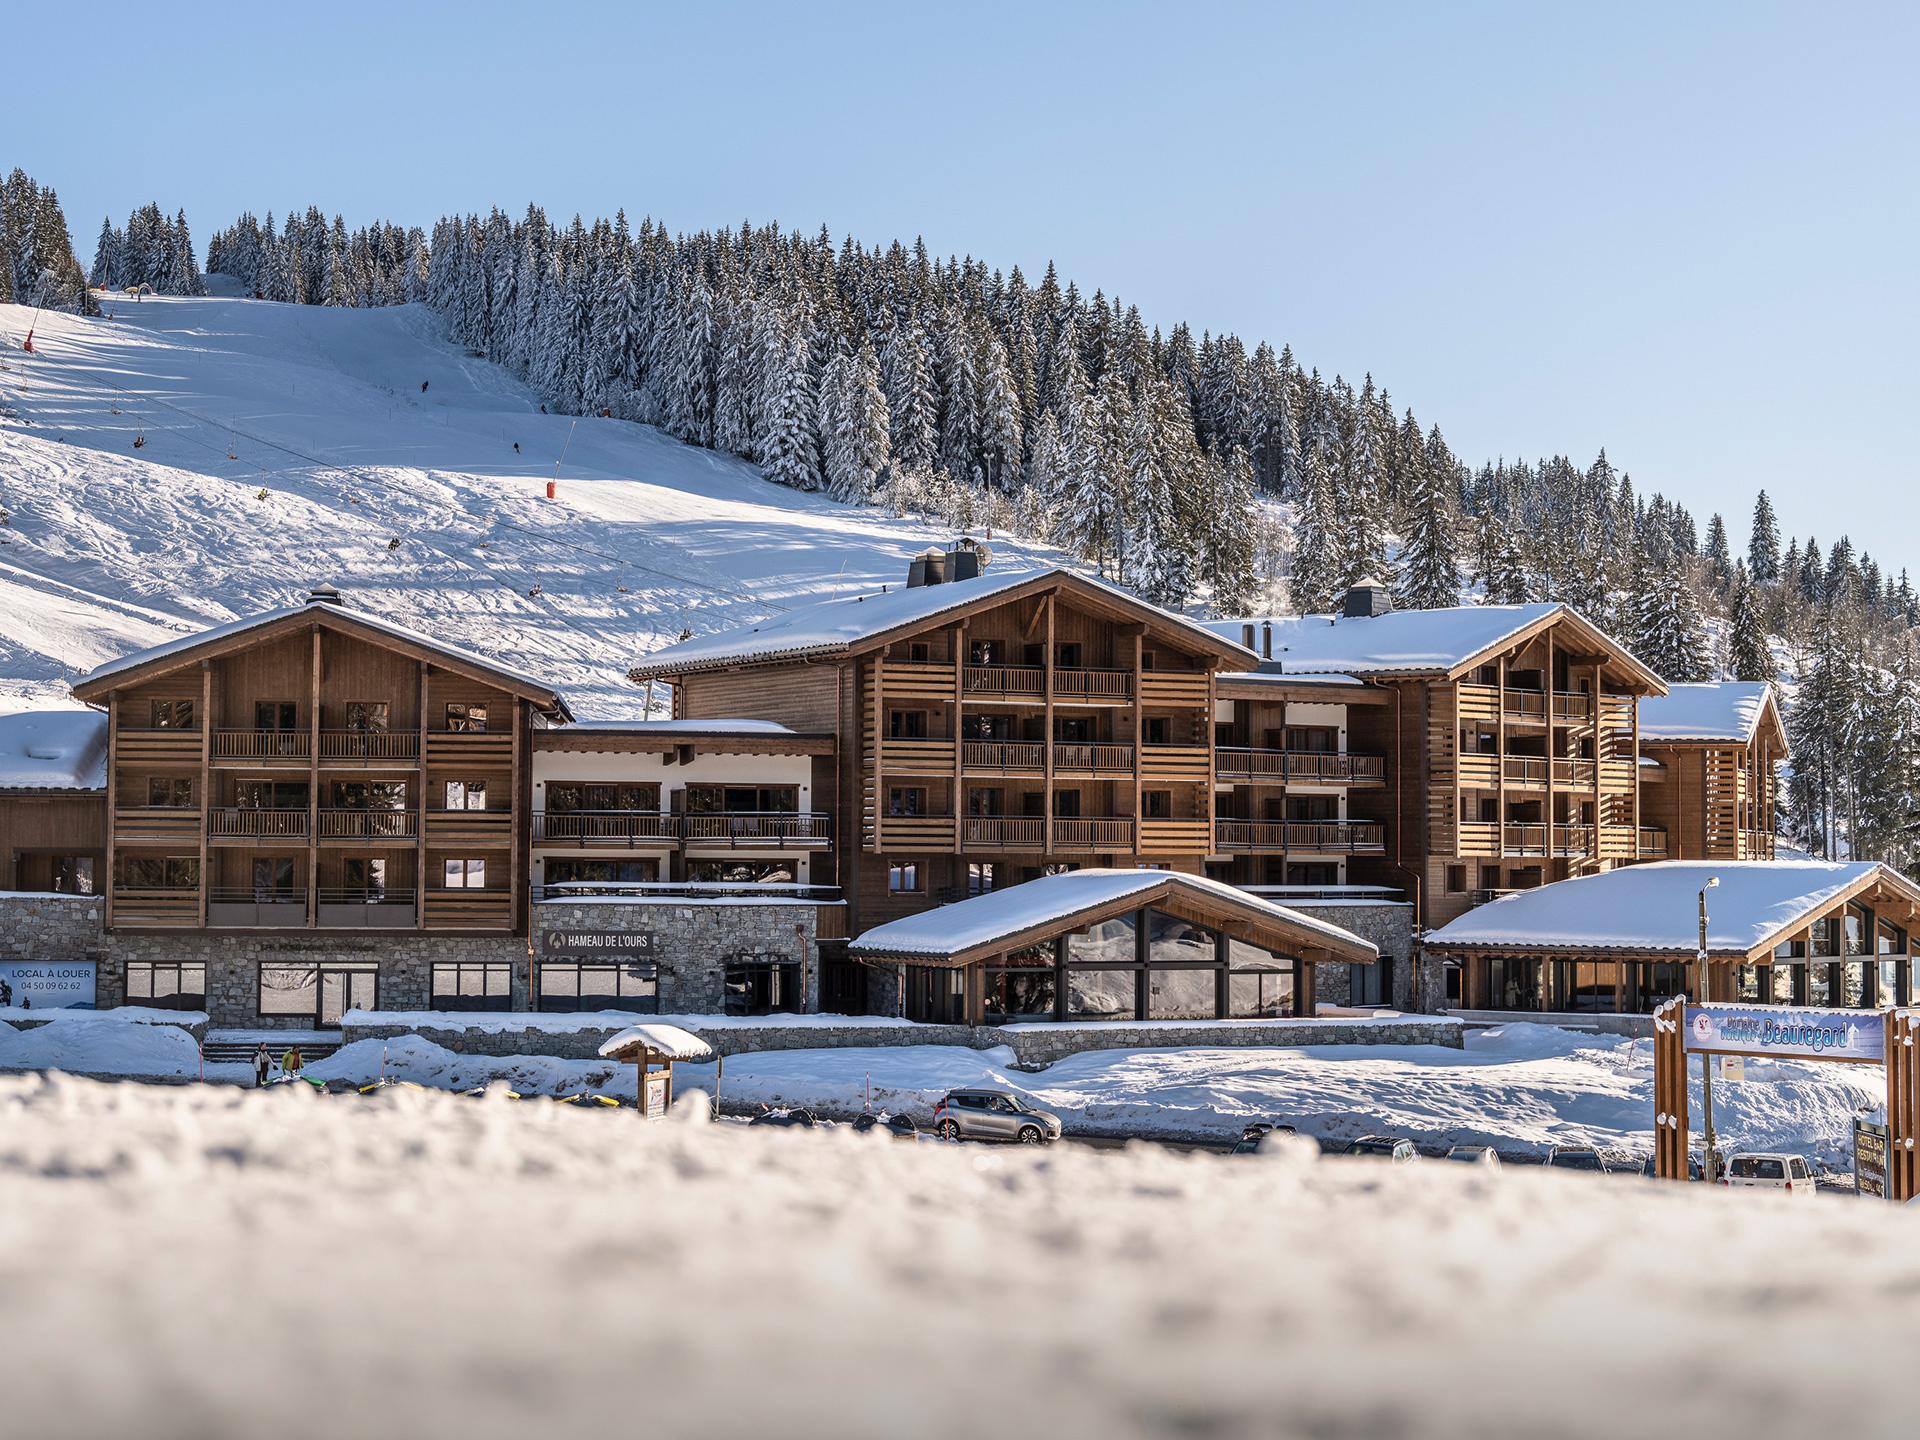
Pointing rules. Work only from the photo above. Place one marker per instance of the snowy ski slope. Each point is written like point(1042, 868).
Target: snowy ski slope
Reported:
point(109, 547)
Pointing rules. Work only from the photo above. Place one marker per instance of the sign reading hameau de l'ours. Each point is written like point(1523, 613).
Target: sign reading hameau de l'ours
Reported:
point(1858, 1035)
point(620, 942)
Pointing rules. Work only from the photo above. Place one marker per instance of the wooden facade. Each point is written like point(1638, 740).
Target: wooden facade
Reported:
point(1713, 798)
point(316, 771)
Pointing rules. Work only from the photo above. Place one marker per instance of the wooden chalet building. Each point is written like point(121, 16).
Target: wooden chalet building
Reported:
point(316, 768)
point(988, 728)
point(1708, 776)
point(1476, 750)
point(53, 780)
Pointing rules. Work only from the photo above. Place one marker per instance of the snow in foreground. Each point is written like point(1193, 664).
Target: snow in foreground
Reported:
point(423, 1264)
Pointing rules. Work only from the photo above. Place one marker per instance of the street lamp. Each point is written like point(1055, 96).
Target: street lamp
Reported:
point(1706, 1061)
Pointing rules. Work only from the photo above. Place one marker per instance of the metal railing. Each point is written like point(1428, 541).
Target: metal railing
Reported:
point(369, 824)
point(262, 744)
point(1325, 767)
point(756, 827)
point(605, 827)
point(1092, 684)
point(1306, 836)
point(370, 745)
point(258, 823)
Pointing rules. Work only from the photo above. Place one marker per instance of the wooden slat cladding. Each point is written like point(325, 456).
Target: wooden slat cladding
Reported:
point(801, 697)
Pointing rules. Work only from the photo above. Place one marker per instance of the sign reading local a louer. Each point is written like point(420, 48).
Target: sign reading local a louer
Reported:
point(1790, 1034)
point(47, 984)
point(643, 944)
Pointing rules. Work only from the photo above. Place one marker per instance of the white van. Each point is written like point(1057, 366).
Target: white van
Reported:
point(1755, 1170)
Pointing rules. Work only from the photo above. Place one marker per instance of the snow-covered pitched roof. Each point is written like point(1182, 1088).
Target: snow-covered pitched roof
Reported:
point(1401, 642)
point(1656, 907)
point(668, 1040)
point(337, 610)
point(1729, 710)
point(53, 750)
point(721, 726)
point(834, 627)
point(984, 919)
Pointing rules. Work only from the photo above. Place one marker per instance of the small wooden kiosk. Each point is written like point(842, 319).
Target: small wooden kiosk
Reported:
point(647, 1046)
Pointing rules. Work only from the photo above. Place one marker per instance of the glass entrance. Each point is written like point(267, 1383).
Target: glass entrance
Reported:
point(344, 988)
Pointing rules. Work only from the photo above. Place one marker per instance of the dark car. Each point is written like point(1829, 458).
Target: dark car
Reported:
point(1252, 1135)
point(1695, 1170)
point(901, 1127)
point(799, 1116)
point(1397, 1148)
point(1577, 1157)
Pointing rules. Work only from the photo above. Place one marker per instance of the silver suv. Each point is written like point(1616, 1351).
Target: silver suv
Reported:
point(993, 1115)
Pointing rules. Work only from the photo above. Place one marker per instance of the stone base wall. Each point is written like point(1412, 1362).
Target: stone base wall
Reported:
point(1389, 925)
point(50, 927)
point(1044, 1044)
point(695, 942)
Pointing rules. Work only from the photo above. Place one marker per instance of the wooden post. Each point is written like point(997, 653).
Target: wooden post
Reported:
point(1546, 871)
point(516, 873)
point(1211, 805)
point(1500, 749)
point(420, 848)
point(959, 745)
point(1046, 838)
point(205, 781)
point(313, 791)
point(1903, 1106)
point(1140, 739)
point(1670, 1138)
point(113, 795)
point(1599, 800)
point(879, 753)
point(1634, 760)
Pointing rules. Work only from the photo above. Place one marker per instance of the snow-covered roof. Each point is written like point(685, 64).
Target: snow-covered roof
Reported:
point(668, 1040)
point(1729, 710)
point(335, 609)
point(983, 919)
point(1401, 642)
point(721, 726)
point(1266, 677)
point(1656, 907)
point(833, 627)
point(53, 750)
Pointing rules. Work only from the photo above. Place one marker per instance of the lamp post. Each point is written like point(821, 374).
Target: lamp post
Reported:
point(1706, 1061)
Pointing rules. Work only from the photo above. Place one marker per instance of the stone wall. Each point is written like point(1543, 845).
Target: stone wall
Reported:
point(1041, 1045)
point(695, 940)
point(50, 927)
point(1388, 924)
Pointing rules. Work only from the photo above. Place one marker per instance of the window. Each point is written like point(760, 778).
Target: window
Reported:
point(167, 984)
point(273, 881)
point(762, 985)
point(739, 872)
point(472, 985)
point(985, 652)
point(1158, 803)
point(904, 879)
point(289, 989)
point(566, 986)
point(369, 795)
point(173, 714)
point(1157, 730)
point(275, 715)
point(602, 872)
point(465, 874)
point(1024, 987)
point(465, 719)
point(1147, 657)
point(1456, 879)
point(170, 792)
point(570, 796)
point(906, 800)
point(979, 878)
point(1073, 729)
point(907, 724)
point(1066, 656)
point(161, 872)
point(366, 877)
point(368, 716)
point(466, 794)
point(1313, 739)
point(270, 794)
point(919, 652)
point(742, 799)
point(72, 874)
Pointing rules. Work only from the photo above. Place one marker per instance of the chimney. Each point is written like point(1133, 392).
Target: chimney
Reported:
point(1266, 639)
point(929, 567)
point(325, 594)
point(1366, 598)
point(1246, 634)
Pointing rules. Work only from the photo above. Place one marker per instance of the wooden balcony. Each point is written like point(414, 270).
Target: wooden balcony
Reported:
point(478, 909)
point(1024, 833)
point(1073, 758)
point(916, 757)
point(1303, 767)
point(155, 905)
point(488, 749)
point(368, 825)
point(1024, 683)
point(1525, 707)
point(156, 822)
point(237, 823)
point(1003, 757)
point(757, 830)
point(264, 908)
point(370, 747)
point(1571, 841)
point(1301, 837)
point(639, 829)
point(262, 747)
point(470, 827)
point(1074, 834)
point(1173, 687)
point(1093, 687)
point(157, 747)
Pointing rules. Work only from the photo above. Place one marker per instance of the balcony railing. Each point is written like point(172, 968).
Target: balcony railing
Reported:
point(1531, 838)
point(377, 745)
point(1098, 685)
point(369, 824)
point(1106, 759)
point(1081, 833)
point(1003, 757)
point(1003, 832)
point(258, 823)
point(1006, 682)
point(1312, 767)
point(1322, 837)
point(365, 908)
point(605, 827)
point(735, 828)
point(262, 745)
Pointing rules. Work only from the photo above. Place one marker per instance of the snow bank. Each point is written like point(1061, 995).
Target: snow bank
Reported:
point(499, 1022)
point(101, 1042)
point(53, 750)
point(426, 1265)
point(408, 1057)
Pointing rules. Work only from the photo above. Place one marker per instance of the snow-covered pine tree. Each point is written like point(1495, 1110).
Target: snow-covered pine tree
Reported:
point(1319, 559)
point(1429, 572)
point(1763, 544)
point(1718, 557)
point(1748, 655)
point(907, 371)
point(1000, 428)
point(792, 451)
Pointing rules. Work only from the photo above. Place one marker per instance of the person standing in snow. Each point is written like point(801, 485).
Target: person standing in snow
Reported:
point(262, 1065)
point(291, 1062)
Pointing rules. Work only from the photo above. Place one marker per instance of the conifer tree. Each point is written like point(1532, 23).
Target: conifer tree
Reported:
point(1429, 573)
point(1763, 544)
point(1748, 655)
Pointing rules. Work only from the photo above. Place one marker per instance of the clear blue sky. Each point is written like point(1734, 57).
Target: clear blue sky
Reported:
point(1686, 232)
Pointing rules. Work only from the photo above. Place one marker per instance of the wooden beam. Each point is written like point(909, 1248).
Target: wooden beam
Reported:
point(313, 790)
point(879, 755)
point(1547, 868)
point(516, 873)
point(205, 782)
point(420, 849)
point(1046, 839)
point(1140, 740)
point(959, 745)
point(1599, 802)
point(113, 794)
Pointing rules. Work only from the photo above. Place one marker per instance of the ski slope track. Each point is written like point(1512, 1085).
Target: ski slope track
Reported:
point(412, 501)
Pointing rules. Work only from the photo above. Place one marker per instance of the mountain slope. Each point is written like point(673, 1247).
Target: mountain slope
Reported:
point(110, 546)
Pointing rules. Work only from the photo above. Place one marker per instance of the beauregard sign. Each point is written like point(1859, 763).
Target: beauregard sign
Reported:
point(638, 944)
point(1858, 1035)
point(47, 984)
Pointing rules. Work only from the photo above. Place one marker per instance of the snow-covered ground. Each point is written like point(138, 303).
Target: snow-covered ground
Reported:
point(106, 548)
point(1521, 1088)
point(213, 1262)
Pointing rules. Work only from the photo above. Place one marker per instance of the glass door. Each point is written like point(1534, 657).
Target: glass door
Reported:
point(344, 988)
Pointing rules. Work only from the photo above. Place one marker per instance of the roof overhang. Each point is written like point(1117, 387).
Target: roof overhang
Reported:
point(1605, 649)
point(577, 740)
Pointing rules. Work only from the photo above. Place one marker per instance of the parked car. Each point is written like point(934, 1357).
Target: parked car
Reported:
point(1475, 1155)
point(1758, 1170)
point(1252, 1135)
point(1695, 1170)
point(797, 1116)
point(1397, 1148)
point(1578, 1157)
point(901, 1127)
point(993, 1115)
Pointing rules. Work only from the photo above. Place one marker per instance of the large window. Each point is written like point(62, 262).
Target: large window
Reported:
point(289, 989)
point(160, 872)
point(463, 719)
point(742, 799)
point(1513, 984)
point(464, 874)
point(466, 794)
point(568, 796)
point(738, 872)
point(167, 984)
point(473, 985)
point(172, 714)
point(273, 880)
point(369, 716)
point(366, 877)
point(170, 792)
point(386, 795)
point(904, 878)
point(275, 715)
point(602, 872)
point(1024, 987)
point(569, 985)
point(762, 985)
point(270, 794)
point(72, 874)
